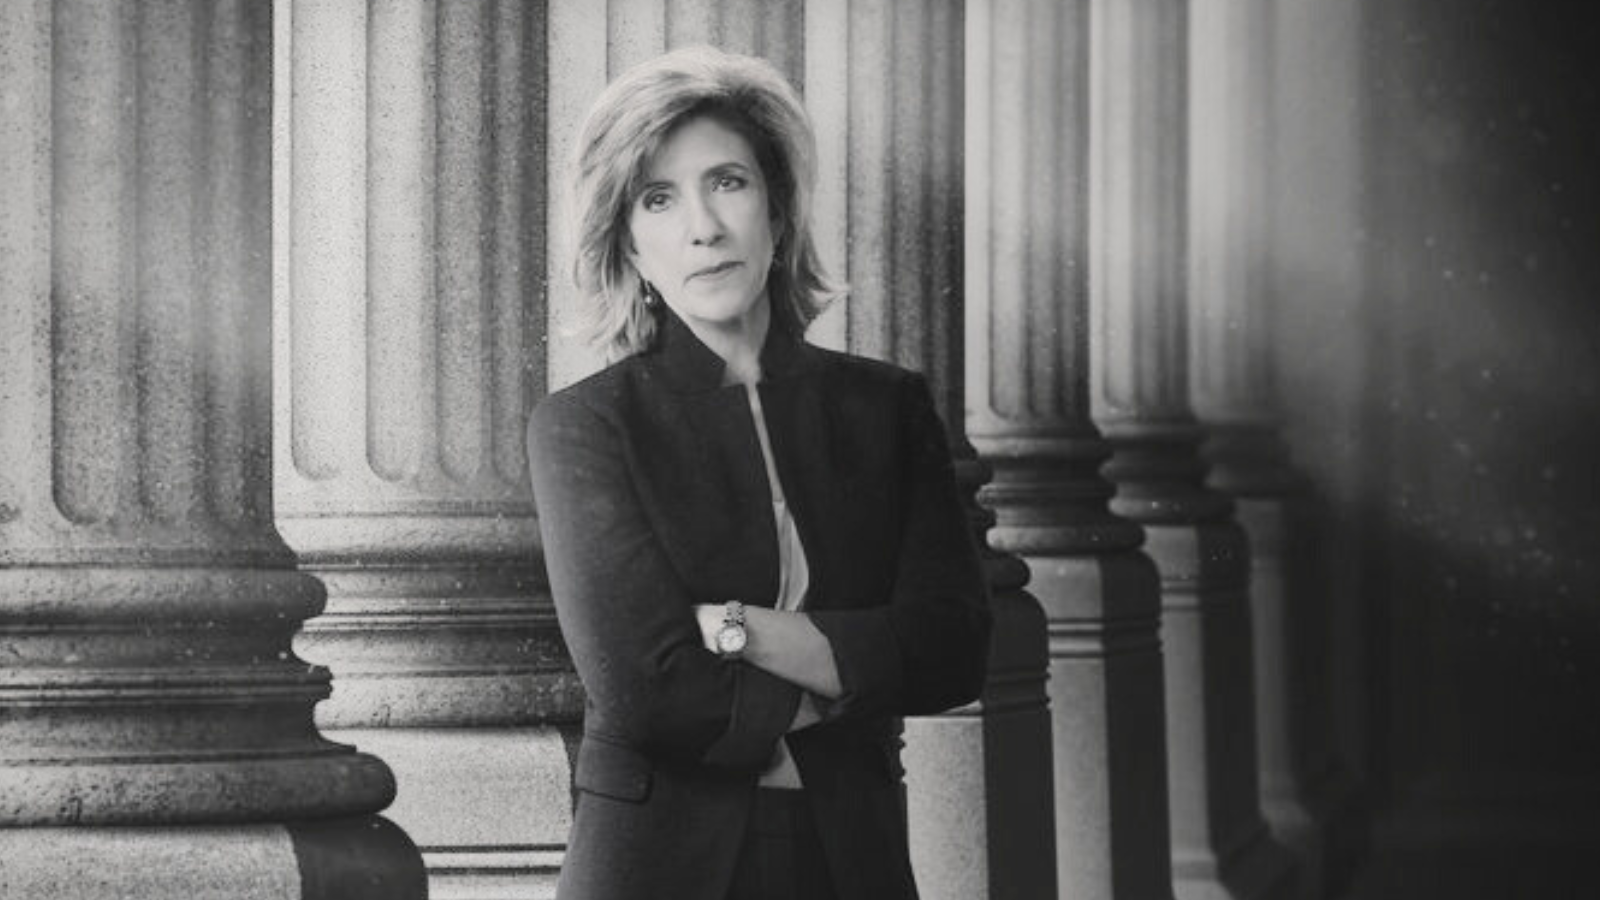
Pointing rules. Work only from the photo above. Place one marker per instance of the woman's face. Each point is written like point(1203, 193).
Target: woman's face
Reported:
point(700, 229)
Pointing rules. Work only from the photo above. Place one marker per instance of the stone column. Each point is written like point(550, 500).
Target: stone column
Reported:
point(410, 312)
point(1318, 290)
point(978, 778)
point(1234, 393)
point(1028, 414)
point(1220, 845)
point(156, 733)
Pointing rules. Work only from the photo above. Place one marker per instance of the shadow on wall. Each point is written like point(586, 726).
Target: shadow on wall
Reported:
point(1454, 459)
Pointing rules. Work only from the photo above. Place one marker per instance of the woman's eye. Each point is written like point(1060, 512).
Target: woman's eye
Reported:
point(654, 202)
point(728, 183)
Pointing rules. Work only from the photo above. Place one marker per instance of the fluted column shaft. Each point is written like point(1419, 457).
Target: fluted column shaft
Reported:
point(1234, 393)
point(978, 778)
point(1138, 131)
point(156, 729)
point(410, 311)
point(1028, 414)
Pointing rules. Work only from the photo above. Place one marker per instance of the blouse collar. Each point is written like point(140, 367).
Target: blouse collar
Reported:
point(688, 365)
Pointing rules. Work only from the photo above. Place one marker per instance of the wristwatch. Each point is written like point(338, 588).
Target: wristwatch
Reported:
point(731, 637)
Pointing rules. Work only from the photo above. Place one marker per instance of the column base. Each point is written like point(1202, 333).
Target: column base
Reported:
point(489, 807)
point(979, 792)
point(1341, 807)
point(1296, 828)
point(1107, 703)
point(1325, 829)
point(491, 874)
point(1221, 846)
point(365, 858)
point(1259, 869)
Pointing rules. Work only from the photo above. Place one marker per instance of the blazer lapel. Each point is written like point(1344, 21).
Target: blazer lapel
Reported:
point(804, 429)
point(713, 511)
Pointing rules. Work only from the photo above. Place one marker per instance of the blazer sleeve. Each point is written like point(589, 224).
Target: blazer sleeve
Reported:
point(626, 616)
point(926, 649)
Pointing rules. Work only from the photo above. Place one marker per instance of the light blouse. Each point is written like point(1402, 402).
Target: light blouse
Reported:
point(794, 577)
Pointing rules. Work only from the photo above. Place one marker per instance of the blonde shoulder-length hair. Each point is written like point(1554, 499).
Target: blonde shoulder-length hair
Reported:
point(628, 124)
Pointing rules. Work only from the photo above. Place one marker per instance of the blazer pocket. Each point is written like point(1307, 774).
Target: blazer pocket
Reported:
point(613, 770)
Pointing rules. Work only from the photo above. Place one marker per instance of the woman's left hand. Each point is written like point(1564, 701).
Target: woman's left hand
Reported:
point(785, 644)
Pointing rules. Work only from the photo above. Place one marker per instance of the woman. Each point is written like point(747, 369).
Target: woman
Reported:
point(755, 546)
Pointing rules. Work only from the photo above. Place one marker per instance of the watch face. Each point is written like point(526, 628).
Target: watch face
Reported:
point(730, 639)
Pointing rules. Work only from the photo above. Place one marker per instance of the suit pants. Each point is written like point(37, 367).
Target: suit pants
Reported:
point(781, 856)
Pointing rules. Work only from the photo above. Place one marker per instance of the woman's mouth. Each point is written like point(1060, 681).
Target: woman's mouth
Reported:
point(714, 271)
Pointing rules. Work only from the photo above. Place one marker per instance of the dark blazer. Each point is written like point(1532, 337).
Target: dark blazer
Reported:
point(653, 496)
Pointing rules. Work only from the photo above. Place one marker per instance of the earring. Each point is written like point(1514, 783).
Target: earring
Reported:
point(651, 298)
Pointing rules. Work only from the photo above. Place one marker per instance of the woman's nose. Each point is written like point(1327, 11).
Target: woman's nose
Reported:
point(705, 226)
